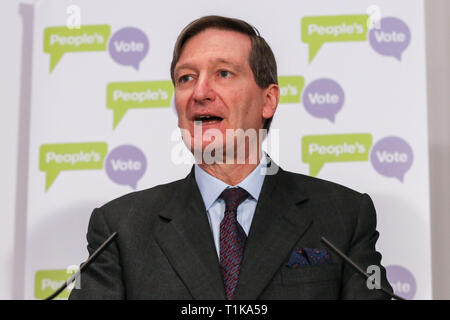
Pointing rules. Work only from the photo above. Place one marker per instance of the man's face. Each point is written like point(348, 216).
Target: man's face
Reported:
point(215, 86)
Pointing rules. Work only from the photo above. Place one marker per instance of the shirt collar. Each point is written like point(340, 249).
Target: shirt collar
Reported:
point(210, 187)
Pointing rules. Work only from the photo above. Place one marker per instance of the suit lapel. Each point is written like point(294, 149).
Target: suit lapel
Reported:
point(185, 238)
point(187, 241)
point(277, 225)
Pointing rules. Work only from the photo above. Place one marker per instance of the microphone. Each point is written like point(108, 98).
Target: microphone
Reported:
point(97, 252)
point(357, 268)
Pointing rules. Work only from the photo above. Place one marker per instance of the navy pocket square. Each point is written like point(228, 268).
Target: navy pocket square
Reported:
point(308, 257)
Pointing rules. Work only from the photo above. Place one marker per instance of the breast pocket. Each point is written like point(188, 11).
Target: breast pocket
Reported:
point(310, 274)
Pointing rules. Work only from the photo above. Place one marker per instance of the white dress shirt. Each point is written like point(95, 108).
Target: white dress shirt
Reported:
point(211, 188)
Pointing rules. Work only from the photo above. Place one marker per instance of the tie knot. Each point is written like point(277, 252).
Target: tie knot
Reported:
point(234, 197)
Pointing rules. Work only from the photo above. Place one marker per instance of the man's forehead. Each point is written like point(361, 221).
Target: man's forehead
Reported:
point(224, 46)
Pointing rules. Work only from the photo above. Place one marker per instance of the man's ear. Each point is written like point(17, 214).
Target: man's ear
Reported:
point(272, 96)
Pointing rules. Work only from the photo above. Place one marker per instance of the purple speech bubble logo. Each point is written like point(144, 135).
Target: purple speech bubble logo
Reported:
point(392, 157)
point(402, 281)
point(125, 165)
point(391, 39)
point(128, 46)
point(323, 98)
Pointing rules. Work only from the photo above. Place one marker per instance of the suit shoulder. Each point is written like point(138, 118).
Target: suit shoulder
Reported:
point(148, 200)
point(347, 205)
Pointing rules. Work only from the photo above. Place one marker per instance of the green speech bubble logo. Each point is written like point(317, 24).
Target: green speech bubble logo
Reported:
point(318, 30)
point(60, 40)
point(320, 149)
point(48, 281)
point(121, 96)
point(54, 158)
point(291, 88)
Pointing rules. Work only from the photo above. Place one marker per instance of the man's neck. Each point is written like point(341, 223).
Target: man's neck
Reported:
point(230, 173)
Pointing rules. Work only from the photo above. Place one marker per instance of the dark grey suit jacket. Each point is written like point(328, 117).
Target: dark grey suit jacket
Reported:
point(165, 248)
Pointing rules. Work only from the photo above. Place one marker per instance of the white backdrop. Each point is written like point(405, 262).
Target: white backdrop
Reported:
point(383, 97)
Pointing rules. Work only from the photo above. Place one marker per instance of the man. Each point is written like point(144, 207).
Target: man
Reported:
point(231, 229)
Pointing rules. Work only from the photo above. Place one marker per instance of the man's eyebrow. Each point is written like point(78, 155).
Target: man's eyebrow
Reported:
point(186, 65)
point(227, 62)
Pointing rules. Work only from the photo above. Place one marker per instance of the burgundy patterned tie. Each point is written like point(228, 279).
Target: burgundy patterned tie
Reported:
point(232, 239)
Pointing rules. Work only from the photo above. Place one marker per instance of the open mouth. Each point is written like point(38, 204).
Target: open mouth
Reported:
point(208, 119)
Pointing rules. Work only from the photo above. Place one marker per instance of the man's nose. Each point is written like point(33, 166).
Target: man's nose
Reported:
point(203, 90)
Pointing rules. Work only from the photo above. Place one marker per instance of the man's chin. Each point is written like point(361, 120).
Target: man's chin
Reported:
point(208, 152)
point(213, 149)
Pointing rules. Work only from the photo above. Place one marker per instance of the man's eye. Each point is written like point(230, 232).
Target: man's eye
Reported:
point(225, 73)
point(184, 78)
